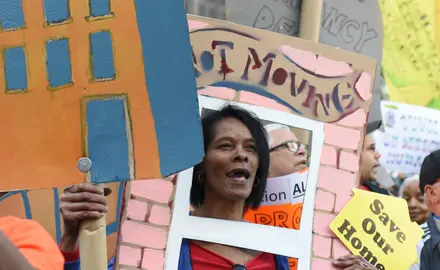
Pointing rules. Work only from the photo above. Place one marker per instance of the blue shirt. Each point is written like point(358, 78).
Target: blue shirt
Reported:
point(281, 262)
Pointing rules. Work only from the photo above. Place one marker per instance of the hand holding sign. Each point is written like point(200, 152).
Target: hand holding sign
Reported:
point(352, 262)
point(384, 235)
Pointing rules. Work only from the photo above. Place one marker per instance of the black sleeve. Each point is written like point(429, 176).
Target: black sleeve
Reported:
point(425, 259)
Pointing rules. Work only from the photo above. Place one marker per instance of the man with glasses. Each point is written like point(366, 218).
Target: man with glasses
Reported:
point(287, 154)
point(286, 185)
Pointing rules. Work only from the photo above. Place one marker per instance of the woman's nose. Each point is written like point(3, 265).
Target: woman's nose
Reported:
point(240, 155)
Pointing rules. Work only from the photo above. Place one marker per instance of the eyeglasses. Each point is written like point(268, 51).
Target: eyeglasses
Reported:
point(238, 267)
point(292, 146)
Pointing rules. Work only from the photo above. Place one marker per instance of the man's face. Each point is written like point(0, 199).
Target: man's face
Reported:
point(432, 193)
point(282, 160)
point(369, 160)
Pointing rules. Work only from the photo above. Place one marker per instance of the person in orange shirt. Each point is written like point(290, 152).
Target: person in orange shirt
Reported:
point(24, 244)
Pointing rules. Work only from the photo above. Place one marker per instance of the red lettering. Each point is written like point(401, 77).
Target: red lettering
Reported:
point(296, 219)
point(263, 219)
point(224, 67)
point(280, 219)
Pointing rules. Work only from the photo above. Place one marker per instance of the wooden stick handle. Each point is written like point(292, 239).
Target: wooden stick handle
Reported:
point(310, 23)
point(93, 244)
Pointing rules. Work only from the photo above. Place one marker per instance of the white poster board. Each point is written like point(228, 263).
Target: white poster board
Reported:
point(411, 133)
point(242, 234)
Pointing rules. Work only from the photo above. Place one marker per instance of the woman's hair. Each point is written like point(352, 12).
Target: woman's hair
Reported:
point(407, 181)
point(251, 121)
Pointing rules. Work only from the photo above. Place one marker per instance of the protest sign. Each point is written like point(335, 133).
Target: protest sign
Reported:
point(383, 234)
point(282, 204)
point(412, 61)
point(98, 92)
point(411, 133)
point(282, 79)
point(350, 25)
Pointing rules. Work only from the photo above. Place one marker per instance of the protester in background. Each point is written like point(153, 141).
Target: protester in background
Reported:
point(24, 244)
point(287, 154)
point(430, 186)
point(288, 167)
point(231, 178)
point(410, 192)
point(370, 162)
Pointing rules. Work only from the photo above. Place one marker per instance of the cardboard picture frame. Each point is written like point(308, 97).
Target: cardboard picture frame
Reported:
point(242, 234)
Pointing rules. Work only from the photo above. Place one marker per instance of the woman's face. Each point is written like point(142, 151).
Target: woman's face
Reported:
point(231, 161)
point(418, 210)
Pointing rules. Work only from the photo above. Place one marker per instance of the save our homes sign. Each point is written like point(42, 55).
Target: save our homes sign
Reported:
point(383, 234)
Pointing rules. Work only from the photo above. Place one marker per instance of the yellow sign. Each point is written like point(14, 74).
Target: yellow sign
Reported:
point(377, 227)
point(411, 59)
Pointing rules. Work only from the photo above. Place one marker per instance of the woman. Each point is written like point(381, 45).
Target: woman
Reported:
point(410, 192)
point(231, 178)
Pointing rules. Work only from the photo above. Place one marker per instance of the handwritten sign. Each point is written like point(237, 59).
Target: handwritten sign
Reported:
point(278, 16)
point(383, 234)
point(282, 204)
point(288, 75)
point(412, 61)
point(411, 133)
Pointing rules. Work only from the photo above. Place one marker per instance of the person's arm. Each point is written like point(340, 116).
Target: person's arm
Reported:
point(77, 204)
point(34, 244)
point(11, 257)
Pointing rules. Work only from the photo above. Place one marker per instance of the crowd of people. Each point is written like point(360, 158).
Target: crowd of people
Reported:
point(230, 180)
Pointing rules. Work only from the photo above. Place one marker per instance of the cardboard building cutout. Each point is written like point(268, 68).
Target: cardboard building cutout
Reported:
point(272, 71)
point(83, 79)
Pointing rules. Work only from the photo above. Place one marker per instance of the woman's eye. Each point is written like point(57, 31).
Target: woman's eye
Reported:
point(251, 147)
point(225, 146)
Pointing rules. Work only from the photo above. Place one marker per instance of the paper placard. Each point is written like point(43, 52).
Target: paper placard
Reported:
point(383, 234)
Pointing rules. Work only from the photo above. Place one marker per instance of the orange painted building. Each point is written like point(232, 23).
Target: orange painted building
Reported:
point(44, 127)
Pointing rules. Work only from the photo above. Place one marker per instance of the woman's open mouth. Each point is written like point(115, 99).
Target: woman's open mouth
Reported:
point(239, 175)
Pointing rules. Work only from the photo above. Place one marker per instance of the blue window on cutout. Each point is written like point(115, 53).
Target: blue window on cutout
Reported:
point(56, 11)
point(99, 7)
point(15, 69)
point(107, 140)
point(58, 62)
point(11, 14)
point(102, 55)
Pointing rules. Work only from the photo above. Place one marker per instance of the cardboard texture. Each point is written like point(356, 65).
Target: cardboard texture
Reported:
point(350, 25)
point(42, 205)
point(356, 26)
point(82, 79)
point(251, 236)
point(299, 78)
